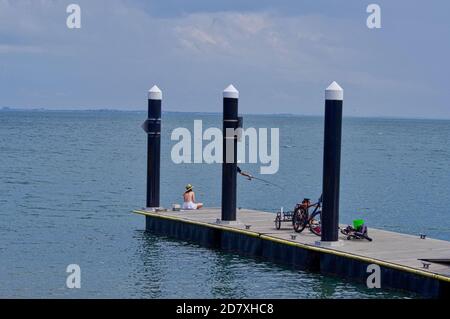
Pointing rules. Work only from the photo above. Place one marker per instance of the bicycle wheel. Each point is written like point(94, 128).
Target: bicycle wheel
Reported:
point(300, 219)
point(315, 223)
point(366, 237)
point(345, 231)
point(278, 222)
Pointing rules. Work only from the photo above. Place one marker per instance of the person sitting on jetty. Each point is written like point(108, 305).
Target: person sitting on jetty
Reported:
point(189, 199)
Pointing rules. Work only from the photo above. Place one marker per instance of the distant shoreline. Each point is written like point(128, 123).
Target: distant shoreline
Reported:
point(34, 110)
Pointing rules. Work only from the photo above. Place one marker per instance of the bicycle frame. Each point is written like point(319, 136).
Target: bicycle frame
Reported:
point(316, 205)
point(302, 217)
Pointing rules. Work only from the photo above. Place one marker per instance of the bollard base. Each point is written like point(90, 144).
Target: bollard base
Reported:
point(338, 243)
point(155, 209)
point(228, 222)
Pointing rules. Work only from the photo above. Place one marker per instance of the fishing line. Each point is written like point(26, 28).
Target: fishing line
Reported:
point(250, 177)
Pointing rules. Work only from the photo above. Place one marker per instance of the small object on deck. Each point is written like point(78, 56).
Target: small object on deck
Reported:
point(358, 223)
point(283, 216)
point(155, 209)
point(293, 237)
point(176, 207)
point(356, 233)
point(248, 226)
point(423, 236)
point(425, 265)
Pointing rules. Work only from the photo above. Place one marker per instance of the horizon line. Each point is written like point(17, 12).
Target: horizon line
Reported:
point(43, 109)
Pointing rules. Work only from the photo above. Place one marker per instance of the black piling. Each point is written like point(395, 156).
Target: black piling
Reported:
point(229, 165)
point(332, 162)
point(152, 127)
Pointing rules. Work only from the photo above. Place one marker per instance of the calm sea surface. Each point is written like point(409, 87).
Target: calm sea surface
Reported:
point(69, 180)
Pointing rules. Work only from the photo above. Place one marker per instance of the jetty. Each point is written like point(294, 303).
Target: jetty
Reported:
point(391, 261)
point(406, 262)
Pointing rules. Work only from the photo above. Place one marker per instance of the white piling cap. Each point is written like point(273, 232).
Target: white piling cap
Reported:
point(334, 92)
point(231, 92)
point(154, 93)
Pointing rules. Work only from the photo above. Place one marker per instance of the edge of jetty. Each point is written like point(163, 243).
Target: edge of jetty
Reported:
point(399, 256)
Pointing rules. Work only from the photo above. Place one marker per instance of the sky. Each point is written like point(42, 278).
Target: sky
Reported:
point(280, 55)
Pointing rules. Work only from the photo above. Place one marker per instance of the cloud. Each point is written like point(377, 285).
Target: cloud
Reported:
point(238, 33)
point(195, 53)
point(9, 49)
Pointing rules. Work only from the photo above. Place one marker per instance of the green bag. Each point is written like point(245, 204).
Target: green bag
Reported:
point(357, 223)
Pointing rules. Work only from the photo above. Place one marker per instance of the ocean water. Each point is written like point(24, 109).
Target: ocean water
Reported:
point(69, 181)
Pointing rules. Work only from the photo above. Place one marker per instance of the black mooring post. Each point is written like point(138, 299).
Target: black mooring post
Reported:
point(229, 165)
point(153, 128)
point(334, 96)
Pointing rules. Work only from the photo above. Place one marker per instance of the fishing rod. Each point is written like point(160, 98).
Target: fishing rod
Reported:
point(250, 177)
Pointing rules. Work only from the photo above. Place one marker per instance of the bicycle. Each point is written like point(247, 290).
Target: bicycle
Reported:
point(353, 233)
point(283, 216)
point(302, 218)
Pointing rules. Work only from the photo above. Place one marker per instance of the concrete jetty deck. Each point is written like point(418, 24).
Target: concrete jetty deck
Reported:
point(398, 255)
